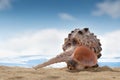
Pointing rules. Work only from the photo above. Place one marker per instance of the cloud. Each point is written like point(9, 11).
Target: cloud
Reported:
point(110, 44)
point(41, 42)
point(47, 43)
point(5, 4)
point(66, 16)
point(109, 60)
point(108, 7)
point(36, 45)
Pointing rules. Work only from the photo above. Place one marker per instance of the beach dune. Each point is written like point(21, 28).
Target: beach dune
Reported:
point(19, 73)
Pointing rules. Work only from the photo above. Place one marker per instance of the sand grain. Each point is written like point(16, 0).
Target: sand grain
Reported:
point(19, 73)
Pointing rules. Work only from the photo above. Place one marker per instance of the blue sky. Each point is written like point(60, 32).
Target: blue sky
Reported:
point(30, 27)
point(17, 15)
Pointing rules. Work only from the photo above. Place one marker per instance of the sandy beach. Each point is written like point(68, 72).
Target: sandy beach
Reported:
point(19, 73)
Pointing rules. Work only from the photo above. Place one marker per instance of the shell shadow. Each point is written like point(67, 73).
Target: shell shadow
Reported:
point(95, 69)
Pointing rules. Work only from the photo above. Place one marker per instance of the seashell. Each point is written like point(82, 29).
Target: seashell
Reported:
point(76, 39)
point(82, 57)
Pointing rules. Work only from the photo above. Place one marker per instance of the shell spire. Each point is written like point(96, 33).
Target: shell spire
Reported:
point(83, 37)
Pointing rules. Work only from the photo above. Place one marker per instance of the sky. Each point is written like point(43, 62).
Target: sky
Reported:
point(38, 27)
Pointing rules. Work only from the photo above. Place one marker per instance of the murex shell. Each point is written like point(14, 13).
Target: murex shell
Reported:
point(77, 37)
point(81, 58)
point(83, 37)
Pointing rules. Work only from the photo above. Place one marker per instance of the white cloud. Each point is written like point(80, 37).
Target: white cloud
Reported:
point(110, 44)
point(48, 43)
point(66, 16)
point(5, 4)
point(108, 7)
point(42, 42)
point(109, 60)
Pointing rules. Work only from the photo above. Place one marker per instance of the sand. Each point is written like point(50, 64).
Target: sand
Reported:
point(19, 73)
